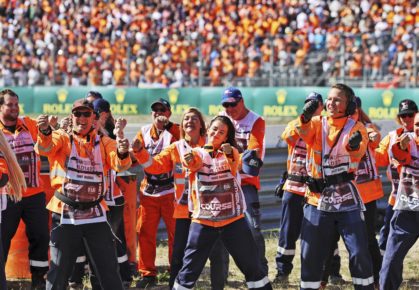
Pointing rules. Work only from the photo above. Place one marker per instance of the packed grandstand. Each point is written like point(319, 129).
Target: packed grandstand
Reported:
point(161, 43)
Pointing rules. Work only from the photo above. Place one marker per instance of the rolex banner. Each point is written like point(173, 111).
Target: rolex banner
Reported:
point(269, 102)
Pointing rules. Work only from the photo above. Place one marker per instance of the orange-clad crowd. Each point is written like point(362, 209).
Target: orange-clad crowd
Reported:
point(175, 43)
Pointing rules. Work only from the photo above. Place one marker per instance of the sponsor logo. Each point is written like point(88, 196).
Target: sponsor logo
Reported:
point(411, 200)
point(215, 206)
point(121, 107)
point(336, 199)
point(385, 111)
point(177, 109)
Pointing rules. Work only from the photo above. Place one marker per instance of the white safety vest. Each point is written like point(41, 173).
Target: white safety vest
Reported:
point(218, 194)
point(22, 145)
point(367, 169)
point(157, 184)
point(408, 190)
point(298, 167)
point(335, 161)
point(243, 130)
point(85, 181)
point(392, 173)
point(110, 197)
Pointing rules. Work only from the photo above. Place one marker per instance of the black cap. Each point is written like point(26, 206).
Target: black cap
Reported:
point(101, 105)
point(407, 106)
point(161, 101)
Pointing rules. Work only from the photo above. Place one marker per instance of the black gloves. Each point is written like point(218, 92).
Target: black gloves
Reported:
point(355, 140)
point(309, 110)
point(279, 189)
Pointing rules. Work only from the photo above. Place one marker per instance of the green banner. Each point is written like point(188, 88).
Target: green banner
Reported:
point(268, 102)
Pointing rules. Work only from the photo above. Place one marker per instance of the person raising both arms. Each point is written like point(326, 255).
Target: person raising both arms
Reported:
point(217, 204)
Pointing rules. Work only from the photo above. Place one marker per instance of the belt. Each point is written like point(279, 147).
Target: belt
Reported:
point(77, 204)
point(160, 182)
point(318, 184)
point(297, 178)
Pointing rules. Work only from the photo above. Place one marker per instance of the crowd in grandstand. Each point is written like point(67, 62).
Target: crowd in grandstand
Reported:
point(176, 43)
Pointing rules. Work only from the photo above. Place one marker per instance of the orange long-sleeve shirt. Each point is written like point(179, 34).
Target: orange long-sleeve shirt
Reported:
point(311, 133)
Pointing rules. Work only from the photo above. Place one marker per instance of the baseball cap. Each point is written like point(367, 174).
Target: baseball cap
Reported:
point(94, 94)
point(314, 96)
point(251, 163)
point(101, 105)
point(82, 104)
point(231, 95)
point(161, 101)
point(407, 106)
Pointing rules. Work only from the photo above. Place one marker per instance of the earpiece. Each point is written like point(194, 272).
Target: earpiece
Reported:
point(351, 107)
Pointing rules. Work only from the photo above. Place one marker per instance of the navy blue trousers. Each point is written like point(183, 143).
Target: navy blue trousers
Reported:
point(317, 238)
point(385, 229)
point(218, 256)
point(239, 242)
point(253, 217)
point(404, 232)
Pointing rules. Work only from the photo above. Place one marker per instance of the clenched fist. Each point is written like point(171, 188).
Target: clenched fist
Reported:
point(53, 122)
point(404, 141)
point(161, 122)
point(122, 145)
point(188, 157)
point(309, 109)
point(136, 145)
point(227, 149)
point(120, 125)
point(43, 122)
point(355, 140)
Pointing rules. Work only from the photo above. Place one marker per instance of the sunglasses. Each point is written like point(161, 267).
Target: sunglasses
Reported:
point(160, 110)
point(78, 114)
point(232, 105)
point(410, 115)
